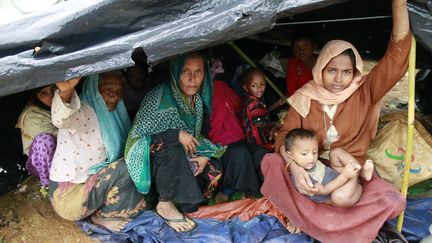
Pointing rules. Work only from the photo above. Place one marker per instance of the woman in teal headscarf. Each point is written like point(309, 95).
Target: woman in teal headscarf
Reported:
point(165, 145)
point(88, 176)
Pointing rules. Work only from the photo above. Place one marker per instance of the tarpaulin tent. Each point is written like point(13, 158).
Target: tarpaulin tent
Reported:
point(79, 38)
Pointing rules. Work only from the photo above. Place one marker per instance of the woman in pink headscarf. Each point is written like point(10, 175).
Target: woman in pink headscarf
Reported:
point(341, 106)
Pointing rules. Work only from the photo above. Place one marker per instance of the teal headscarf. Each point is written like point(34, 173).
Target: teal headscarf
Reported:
point(114, 125)
point(165, 107)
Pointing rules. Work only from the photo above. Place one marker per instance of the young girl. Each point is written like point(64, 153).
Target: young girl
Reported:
point(302, 147)
point(38, 134)
point(256, 121)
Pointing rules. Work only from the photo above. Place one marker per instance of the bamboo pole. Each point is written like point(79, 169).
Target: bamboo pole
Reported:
point(410, 128)
point(250, 62)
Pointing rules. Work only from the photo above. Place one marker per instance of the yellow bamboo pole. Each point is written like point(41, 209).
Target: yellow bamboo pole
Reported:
point(410, 128)
point(250, 62)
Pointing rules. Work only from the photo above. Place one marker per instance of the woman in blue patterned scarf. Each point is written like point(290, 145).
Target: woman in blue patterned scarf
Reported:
point(165, 146)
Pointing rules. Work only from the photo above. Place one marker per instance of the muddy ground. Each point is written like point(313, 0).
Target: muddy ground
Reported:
point(26, 216)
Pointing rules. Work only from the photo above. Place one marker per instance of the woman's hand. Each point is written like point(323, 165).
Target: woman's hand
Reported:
point(201, 163)
point(304, 183)
point(188, 141)
point(69, 85)
point(66, 88)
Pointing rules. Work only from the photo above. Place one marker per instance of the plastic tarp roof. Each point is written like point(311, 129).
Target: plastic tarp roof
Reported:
point(80, 37)
point(83, 37)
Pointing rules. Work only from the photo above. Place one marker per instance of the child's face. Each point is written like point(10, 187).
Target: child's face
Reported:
point(256, 86)
point(304, 152)
point(303, 50)
point(46, 95)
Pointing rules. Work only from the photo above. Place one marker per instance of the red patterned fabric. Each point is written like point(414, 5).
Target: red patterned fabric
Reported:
point(255, 114)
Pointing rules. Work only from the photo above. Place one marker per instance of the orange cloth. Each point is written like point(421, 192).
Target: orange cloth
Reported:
point(245, 209)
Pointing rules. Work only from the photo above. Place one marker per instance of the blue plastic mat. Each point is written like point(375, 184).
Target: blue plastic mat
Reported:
point(418, 217)
point(148, 227)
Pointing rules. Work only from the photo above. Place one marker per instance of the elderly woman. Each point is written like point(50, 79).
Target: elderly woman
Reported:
point(38, 134)
point(341, 106)
point(165, 147)
point(88, 176)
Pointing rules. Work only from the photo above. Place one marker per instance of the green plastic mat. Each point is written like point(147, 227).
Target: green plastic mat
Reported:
point(422, 189)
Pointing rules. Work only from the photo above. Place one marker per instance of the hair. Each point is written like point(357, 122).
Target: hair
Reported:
point(295, 134)
point(35, 100)
point(350, 53)
point(302, 36)
point(196, 54)
point(115, 73)
point(247, 75)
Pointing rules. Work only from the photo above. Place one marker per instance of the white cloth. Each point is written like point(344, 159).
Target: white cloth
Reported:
point(332, 134)
point(79, 140)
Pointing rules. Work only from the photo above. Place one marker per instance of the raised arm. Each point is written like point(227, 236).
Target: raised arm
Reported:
point(66, 88)
point(400, 19)
point(65, 104)
point(394, 64)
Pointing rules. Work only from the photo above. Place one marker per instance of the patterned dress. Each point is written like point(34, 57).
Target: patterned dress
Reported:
point(255, 114)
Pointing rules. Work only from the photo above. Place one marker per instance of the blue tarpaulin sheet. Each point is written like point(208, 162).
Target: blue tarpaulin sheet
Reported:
point(418, 217)
point(148, 227)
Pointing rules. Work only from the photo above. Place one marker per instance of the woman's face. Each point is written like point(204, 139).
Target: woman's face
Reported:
point(338, 74)
point(111, 90)
point(303, 49)
point(46, 95)
point(192, 75)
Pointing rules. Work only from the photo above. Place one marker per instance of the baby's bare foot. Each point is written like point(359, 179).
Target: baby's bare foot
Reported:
point(367, 170)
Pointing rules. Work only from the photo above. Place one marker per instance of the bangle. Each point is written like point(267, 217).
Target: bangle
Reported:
point(288, 164)
point(400, 34)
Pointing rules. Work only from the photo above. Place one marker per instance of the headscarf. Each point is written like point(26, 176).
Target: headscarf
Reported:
point(166, 107)
point(314, 89)
point(114, 125)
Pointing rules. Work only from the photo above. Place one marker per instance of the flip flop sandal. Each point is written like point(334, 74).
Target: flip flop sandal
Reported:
point(182, 220)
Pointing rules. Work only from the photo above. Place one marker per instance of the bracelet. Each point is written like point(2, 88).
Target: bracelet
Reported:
point(401, 34)
point(288, 164)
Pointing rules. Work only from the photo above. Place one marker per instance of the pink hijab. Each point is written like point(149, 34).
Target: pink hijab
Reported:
point(314, 89)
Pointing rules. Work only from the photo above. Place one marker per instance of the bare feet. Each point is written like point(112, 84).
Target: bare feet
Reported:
point(292, 228)
point(221, 198)
point(248, 196)
point(113, 224)
point(174, 218)
point(367, 170)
